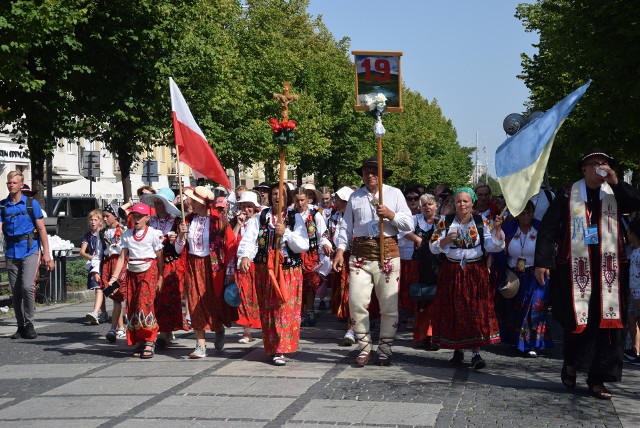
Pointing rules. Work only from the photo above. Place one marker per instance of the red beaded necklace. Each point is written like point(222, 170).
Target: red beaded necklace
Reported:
point(135, 236)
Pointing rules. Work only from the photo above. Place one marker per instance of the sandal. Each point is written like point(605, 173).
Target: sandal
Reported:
point(567, 380)
point(138, 351)
point(600, 392)
point(363, 358)
point(278, 360)
point(148, 351)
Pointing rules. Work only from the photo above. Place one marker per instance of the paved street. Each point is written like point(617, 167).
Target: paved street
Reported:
point(71, 376)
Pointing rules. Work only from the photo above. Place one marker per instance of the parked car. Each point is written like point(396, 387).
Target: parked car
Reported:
point(70, 217)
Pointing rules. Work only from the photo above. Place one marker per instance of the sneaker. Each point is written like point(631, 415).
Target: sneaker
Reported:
point(458, 357)
point(322, 306)
point(477, 362)
point(111, 336)
point(635, 362)
point(199, 352)
point(311, 319)
point(29, 331)
point(104, 317)
point(278, 360)
point(92, 318)
point(218, 343)
point(531, 354)
point(245, 339)
point(18, 334)
point(629, 355)
point(121, 334)
point(349, 338)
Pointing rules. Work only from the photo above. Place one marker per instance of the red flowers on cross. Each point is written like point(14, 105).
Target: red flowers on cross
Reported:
point(282, 126)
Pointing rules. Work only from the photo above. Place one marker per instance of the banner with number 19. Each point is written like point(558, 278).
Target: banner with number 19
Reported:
point(378, 73)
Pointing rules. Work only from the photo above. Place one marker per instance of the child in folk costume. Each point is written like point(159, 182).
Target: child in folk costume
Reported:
point(279, 297)
point(168, 302)
point(249, 310)
point(210, 244)
point(316, 264)
point(103, 265)
point(143, 246)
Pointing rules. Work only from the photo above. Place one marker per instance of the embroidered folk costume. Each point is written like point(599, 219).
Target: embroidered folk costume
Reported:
point(279, 297)
point(590, 287)
point(168, 302)
point(465, 317)
point(362, 231)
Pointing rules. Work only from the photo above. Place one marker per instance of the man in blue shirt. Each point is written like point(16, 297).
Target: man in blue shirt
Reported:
point(23, 234)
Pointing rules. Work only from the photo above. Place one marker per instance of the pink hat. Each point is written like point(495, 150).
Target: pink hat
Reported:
point(140, 208)
point(221, 202)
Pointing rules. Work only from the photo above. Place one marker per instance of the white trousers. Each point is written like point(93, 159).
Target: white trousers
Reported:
point(364, 276)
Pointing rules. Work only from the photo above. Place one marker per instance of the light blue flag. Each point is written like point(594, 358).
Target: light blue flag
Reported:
point(522, 159)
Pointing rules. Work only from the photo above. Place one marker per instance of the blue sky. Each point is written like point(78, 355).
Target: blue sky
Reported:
point(463, 53)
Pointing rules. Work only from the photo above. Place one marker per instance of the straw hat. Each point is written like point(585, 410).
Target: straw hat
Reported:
point(510, 289)
point(200, 194)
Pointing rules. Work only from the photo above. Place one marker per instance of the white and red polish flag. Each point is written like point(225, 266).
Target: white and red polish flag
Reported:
point(194, 148)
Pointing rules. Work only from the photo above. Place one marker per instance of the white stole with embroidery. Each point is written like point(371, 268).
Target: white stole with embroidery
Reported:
point(581, 275)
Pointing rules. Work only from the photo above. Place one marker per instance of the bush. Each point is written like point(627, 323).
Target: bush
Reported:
point(76, 274)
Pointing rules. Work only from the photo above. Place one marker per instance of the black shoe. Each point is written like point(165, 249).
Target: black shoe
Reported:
point(477, 362)
point(29, 331)
point(18, 334)
point(322, 306)
point(458, 358)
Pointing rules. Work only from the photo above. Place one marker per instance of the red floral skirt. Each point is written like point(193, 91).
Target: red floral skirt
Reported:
point(340, 291)
point(310, 280)
point(408, 275)
point(249, 310)
point(464, 315)
point(280, 320)
point(141, 294)
point(169, 300)
point(108, 267)
point(207, 311)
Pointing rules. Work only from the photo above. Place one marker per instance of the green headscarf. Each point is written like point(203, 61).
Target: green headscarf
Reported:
point(468, 190)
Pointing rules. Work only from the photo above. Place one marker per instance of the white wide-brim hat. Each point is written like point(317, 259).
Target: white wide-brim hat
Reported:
point(249, 197)
point(344, 193)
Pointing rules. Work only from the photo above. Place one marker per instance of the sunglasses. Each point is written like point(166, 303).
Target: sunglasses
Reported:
point(412, 198)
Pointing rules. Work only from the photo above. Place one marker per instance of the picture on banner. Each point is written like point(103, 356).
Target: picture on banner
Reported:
point(378, 73)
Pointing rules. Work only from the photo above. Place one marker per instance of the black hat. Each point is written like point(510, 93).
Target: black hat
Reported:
point(26, 189)
point(595, 151)
point(373, 162)
point(264, 186)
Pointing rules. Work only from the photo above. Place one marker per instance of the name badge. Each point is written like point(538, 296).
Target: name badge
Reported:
point(521, 264)
point(591, 235)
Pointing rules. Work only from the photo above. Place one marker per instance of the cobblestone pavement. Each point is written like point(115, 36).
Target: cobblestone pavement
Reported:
point(72, 376)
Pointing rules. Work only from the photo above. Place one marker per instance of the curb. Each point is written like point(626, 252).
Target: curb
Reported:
point(82, 296)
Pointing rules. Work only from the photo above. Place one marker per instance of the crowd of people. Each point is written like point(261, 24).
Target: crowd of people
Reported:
point(453, 266)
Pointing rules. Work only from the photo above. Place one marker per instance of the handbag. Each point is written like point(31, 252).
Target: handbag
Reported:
point(421, 292)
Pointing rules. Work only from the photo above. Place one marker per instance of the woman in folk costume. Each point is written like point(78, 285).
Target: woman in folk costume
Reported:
point(316, 264)
point(426, 271)
point(103, 264)
point(279, 296)
point(168, 300)
point(523, 318)
point(249, 309)
point(465, 317)
point(590, 288)
point(210, 244)
point(408, 263)
point(142, 245)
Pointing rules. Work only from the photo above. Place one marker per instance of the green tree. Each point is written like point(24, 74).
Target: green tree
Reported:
point(582, 39)
point(37, 42)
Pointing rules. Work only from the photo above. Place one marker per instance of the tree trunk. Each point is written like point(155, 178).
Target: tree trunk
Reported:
point(236, 173)
point(268, 173)
point(124, 159)
point(335, 182)
point(37, 170)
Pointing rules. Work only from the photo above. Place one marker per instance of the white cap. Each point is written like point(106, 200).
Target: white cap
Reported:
point(344, 193)
point(291, 186)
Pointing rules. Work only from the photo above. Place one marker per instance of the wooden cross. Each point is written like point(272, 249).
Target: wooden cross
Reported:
point(284, 99)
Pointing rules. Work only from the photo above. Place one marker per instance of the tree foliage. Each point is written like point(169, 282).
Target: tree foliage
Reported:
point(581, 40)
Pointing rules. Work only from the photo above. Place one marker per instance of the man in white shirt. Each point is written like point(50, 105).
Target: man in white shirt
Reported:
point(362, 232)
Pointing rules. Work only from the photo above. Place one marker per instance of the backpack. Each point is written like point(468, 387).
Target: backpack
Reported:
point(29, 236)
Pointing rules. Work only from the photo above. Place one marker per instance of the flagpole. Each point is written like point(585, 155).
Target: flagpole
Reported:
point(184, 220)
